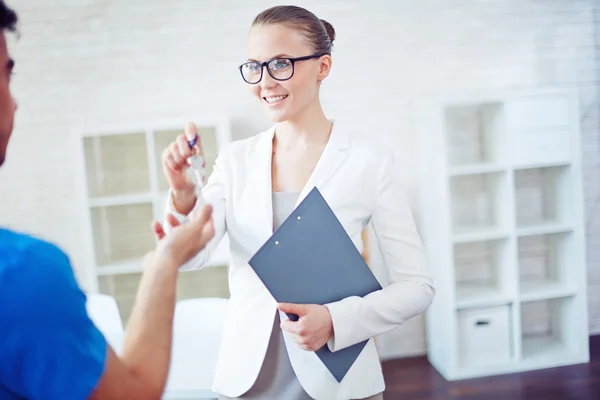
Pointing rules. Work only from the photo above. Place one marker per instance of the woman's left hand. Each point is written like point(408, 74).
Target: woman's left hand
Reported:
point(313, 328)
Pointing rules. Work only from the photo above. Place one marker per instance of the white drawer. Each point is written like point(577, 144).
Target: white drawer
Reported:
point(484, 336)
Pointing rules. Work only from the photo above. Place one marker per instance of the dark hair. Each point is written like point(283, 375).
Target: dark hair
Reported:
point(8, 18)
point(319, 32)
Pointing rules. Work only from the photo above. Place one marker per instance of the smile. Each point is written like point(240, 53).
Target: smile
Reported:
point(276, 99)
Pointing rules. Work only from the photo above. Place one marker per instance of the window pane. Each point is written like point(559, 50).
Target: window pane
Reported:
point(123, 288)
point(122, 233)
point(116, 165)
point(208, 282)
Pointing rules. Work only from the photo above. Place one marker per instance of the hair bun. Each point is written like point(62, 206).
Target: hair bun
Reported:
point(329, 29)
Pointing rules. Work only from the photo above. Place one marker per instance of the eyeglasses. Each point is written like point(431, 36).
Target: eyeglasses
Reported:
point(280, 69)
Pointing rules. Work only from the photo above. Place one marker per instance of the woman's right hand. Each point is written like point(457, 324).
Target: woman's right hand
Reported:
point(175, 168)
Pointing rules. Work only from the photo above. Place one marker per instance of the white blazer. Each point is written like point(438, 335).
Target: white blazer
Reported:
point(358, 180)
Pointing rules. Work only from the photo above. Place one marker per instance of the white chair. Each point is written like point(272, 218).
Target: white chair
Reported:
point(197, 328)
point(104, 312)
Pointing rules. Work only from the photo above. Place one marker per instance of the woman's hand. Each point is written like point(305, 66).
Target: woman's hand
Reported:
point(313, 328)
point(175, 168)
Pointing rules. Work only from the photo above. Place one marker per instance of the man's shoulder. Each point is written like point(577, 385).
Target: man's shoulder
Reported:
point(44, 319)
point(32, 267)
point(20, 249)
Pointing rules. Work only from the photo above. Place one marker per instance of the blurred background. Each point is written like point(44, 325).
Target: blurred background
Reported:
point(104, 85)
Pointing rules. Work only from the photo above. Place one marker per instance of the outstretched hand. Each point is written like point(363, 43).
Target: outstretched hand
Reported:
point(313, 328)
point(184, 241)
point(159, 231)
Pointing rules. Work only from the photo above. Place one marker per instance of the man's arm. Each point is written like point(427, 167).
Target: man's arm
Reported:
point(142, 369)
point(119, 382)
point(49, 347)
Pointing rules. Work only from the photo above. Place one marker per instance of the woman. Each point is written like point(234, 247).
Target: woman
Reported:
point(257, 182)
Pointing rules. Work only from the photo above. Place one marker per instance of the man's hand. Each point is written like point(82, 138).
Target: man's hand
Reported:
point(313, 328)
point(184, 241)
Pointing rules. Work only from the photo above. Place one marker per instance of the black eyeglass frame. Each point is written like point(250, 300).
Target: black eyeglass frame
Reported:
point(266, 63)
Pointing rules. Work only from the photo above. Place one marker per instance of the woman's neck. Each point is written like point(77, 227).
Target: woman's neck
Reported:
point(310, 126)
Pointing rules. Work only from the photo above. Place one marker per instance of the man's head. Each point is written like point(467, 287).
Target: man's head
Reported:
point(8, 22)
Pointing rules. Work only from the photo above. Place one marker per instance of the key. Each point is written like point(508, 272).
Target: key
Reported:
point(196, 162)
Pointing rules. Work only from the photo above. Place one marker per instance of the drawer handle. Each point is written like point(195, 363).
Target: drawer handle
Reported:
point(482, 322)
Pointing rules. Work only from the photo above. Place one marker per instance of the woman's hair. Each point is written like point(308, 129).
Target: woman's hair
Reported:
point(319, 32)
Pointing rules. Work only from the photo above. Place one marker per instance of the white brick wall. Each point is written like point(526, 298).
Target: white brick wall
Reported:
point(85, 63)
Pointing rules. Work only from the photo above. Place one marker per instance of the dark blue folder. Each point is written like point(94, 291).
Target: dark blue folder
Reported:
point(311, 259)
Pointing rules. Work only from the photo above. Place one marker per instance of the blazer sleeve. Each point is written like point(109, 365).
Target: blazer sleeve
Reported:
point(411, 289)
point(214, 194)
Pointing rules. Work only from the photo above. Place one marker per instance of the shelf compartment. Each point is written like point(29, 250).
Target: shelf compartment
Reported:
point(543, 197)
point(540, 129)
point(122, 233)
point(163, 138)
point(481, 273)
point(474, 134)
point(124, 289)
point(480, 204)
point(207, 282)
point(549, 329)
point(484, 336)
point(116, 165)
point(544, 263)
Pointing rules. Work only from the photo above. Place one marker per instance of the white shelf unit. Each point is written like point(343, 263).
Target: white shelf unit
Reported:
point(124, 191)
point(502, 221)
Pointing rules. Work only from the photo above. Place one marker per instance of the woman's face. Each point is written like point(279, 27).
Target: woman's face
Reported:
point(283, 100)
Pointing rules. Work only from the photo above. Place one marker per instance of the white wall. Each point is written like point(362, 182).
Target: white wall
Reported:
point(86, 63)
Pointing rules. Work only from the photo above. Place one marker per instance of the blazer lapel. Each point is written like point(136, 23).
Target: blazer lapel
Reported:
point(260, 192)
point(334, 154)
point(260, 184)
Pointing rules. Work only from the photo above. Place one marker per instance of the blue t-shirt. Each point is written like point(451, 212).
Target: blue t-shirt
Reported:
point(49, 347)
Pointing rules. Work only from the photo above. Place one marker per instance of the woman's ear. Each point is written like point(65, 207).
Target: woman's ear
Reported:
point(324, 67)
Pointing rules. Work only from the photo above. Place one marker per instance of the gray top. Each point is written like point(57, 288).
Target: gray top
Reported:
point(283, 205)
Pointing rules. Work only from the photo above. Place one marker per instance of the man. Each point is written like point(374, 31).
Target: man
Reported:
point(49, 347)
